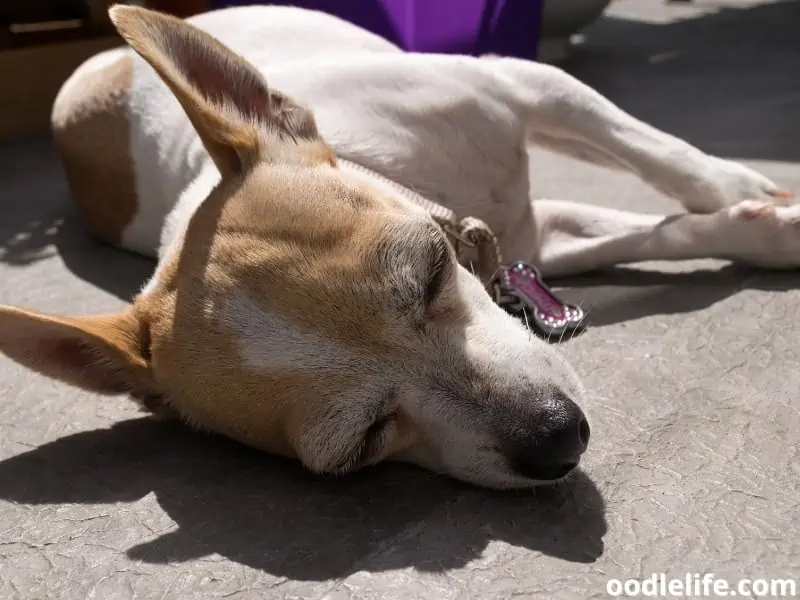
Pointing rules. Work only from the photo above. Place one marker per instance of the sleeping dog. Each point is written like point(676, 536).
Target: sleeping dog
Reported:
point(304, 306)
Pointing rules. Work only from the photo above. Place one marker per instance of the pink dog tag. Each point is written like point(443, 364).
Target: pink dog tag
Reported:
point(550, 315)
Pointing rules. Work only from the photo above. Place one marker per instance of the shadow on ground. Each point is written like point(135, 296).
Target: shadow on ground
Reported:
point(271, 514)
point(625, 294)
point(726, 81)
point(39, 220)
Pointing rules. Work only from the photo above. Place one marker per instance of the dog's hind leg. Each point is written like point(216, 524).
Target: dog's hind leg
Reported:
point(92, 134)
point(574, 238)
point(567, 116)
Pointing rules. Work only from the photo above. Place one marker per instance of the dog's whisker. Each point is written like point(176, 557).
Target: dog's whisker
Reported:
point(527, 323)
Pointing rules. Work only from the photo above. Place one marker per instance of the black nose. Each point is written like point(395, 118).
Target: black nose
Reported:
point(555, 444)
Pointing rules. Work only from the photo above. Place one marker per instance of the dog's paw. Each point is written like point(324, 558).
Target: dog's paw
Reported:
point(725, 183)
point(766, 213)
point(762, 234)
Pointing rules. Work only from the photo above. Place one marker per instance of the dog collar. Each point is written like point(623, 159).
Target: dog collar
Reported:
point(517, 287)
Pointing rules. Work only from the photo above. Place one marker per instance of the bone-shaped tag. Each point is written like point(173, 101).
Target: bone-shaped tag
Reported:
point(551, 316)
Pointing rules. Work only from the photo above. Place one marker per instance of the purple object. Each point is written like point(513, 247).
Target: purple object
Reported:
point(550, 315)
point(504, 27)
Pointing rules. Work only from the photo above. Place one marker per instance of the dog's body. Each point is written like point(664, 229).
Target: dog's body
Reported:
point(452, 128)
point(148, 178)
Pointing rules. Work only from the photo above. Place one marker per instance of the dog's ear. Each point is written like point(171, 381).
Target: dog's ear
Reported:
point(239, 119)
point(104, 354)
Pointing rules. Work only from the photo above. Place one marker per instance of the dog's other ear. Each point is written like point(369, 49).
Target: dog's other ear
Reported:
point(239, 119)
point(104, 354)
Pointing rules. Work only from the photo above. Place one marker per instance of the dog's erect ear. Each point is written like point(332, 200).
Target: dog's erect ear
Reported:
point(105, 354)
point(239, 119)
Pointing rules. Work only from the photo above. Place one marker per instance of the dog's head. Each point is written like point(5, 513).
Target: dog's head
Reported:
point(309, 313)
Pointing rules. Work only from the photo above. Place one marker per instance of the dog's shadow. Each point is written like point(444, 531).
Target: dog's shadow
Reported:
point(38, 221)
point(624, 294)
point(272, 515)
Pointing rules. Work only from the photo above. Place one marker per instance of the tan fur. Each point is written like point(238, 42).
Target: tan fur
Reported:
point(109, 350)
point(255, 231)
point(247, 234)
point(90, 127)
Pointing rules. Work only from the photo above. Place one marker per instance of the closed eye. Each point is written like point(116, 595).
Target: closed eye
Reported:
point(374, 439)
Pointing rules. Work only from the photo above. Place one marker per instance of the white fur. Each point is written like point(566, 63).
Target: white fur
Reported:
point(267, 342)
point(91, 65)
point(454, 129)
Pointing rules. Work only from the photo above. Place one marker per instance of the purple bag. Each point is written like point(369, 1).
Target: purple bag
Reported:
point(504, 27)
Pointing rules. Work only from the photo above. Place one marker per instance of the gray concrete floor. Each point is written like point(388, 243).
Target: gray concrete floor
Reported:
point(693, 369)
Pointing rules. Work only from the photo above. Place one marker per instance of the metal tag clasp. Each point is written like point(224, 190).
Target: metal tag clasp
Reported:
point(551, 316)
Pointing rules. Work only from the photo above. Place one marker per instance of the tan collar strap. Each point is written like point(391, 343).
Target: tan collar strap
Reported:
point(467, 231)
point(517, 287)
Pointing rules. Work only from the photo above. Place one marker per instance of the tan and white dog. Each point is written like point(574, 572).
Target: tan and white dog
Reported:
point(305, 308)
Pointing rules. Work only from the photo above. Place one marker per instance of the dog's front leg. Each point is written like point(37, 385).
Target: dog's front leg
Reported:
point(574, 238)
point(565, 115)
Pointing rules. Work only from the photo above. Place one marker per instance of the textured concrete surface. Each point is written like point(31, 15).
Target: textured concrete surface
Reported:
point(693, 367)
